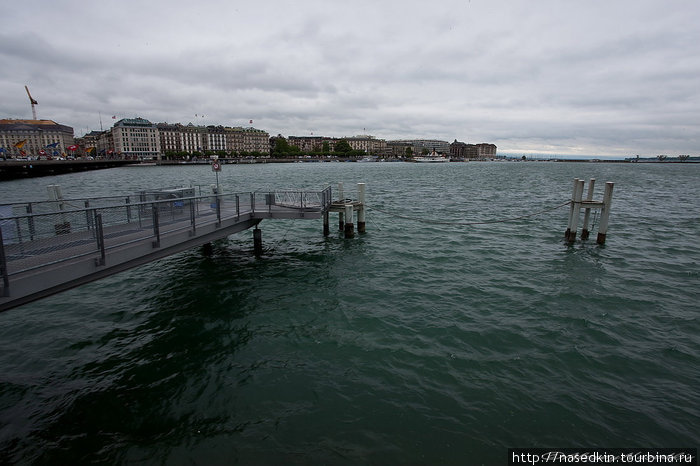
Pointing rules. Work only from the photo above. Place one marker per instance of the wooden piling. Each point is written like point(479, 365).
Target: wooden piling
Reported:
point(605, 212)
point(361, 208)
point(341, 198)
point(349, 227)
point(575, 211)
point(326, 227)
point(257, 241)
point(587, 213)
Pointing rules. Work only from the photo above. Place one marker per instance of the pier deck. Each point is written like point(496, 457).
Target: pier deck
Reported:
point(49, 247)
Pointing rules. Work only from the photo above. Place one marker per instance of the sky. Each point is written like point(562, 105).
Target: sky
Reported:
point(596, 77)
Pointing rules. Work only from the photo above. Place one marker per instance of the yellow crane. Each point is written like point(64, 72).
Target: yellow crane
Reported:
point(32, 101)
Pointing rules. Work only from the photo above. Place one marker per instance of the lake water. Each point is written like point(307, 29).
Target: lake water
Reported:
point(423, 341)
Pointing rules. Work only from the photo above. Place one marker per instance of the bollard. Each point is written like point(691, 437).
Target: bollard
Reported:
point(361, 208)
point(257, 241)
point(349, 227)
point(587, 215)
point(605, 212)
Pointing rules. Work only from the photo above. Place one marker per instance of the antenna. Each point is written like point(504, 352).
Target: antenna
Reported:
point(32, 101)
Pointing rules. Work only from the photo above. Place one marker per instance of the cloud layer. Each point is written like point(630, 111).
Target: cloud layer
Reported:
point(597, 77)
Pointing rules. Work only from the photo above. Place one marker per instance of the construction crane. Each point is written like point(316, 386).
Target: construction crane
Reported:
point(33, 102)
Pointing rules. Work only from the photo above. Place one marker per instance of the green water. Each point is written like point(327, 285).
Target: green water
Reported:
point(420, 342)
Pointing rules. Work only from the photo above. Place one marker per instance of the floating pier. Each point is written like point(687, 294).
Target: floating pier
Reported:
point(578, 203)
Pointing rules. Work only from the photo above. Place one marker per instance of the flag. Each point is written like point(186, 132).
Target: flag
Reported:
point(89, 149)
point(21, 144)
point(251, 122)
point(55, 152)
point(52, 145)
point(42, 152)
point(2, 150)
point(72, 147)
point(22, 153)
point(114, 117)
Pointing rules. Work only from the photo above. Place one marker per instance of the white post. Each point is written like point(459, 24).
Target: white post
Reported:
point(605, 212)
point(587, 211)
point(571, 209)
point(341, 198)
point(349, 227)
point(575, 210)
point(361, 208)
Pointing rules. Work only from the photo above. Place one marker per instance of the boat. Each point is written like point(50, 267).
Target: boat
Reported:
point(433, 157)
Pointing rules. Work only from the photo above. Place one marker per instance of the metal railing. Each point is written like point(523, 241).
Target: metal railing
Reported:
point(36, 234)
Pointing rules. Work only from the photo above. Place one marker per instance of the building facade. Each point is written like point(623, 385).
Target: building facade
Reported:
point(423, 146)
point(29, 138)
point(247, 140)
point(136, 138)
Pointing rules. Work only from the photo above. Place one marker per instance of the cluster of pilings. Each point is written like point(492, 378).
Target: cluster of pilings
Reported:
point(578, 203)
point(345, 208)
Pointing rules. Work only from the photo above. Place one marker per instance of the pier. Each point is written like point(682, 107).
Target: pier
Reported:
point(50, 246)
point(15, 169)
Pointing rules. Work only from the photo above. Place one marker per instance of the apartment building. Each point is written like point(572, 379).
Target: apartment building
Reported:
point(33, 136)
point(136, 137)
point(247, 140)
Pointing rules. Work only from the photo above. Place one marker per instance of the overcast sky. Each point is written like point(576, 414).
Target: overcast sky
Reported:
point(597, 77)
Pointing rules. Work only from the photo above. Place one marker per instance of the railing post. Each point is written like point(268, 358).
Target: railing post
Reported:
point(127, 201)
point(156, 226)
point(238, 207)
point(88, 217)
point(192, 218)
point(99, 233)
point(3, 268)
point(31, 222)
point(252, 202)
point(218, 210)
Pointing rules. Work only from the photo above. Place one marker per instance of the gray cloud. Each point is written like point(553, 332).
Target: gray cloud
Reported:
point(594, 77)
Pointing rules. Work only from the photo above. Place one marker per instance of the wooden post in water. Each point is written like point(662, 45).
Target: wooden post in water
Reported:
point(349, 227)
point(341, 197)
point(326, 227)
point(575, 211)
point(361, 208)
point(587, 212)
point(257, 241)
point(605, 212)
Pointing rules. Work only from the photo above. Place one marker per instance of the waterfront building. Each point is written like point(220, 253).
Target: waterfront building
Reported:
point(309, 144)
point(247, 140)
point(397, 149)
point(368, 144)
point(20, 138)
point(215, 139)
point(482, 151)
point(170, 135)
point(486, 151)
point(136, 138)
point(421, 146)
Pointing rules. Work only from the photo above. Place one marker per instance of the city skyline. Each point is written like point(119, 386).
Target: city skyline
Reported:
point(595, 78)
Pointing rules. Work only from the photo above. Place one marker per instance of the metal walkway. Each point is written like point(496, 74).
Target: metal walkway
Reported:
point(49, 247)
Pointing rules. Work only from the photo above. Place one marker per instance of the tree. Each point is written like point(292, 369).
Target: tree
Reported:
point(342, 147)
point(326, 148)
